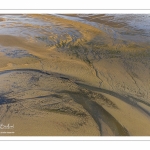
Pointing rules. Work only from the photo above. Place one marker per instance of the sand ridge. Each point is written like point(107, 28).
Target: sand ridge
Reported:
point(66, 77)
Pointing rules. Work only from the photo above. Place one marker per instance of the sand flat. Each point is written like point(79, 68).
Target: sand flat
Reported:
point(85, 76)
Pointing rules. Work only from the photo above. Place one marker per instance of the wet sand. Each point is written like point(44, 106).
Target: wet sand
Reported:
point(78, 76)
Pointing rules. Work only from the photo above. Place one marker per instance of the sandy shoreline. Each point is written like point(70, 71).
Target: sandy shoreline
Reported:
point(62, 77)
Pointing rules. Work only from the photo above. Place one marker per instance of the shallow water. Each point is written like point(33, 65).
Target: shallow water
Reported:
point(92, 71)
point(133, 27)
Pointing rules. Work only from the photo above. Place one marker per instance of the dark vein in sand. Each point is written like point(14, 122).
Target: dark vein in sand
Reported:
point(53, 74)
point(126, 99)
point(98, 113)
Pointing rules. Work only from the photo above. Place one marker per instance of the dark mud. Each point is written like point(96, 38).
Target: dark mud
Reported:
point(127, 99)
point(98, 113)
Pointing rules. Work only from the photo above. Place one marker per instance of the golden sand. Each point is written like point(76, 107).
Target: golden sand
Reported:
point(71, 78)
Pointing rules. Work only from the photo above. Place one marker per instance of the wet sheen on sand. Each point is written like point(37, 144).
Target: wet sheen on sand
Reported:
point(75, 74)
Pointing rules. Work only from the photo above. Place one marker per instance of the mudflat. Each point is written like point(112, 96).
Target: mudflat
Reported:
point(74, 75)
